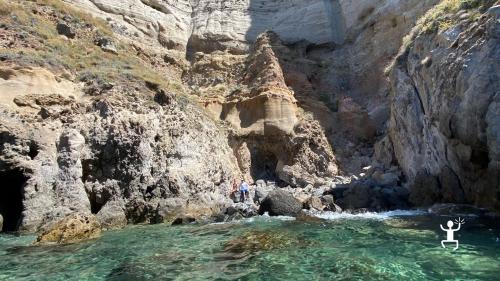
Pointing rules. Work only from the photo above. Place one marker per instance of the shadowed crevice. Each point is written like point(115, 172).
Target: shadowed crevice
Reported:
point(11, 198)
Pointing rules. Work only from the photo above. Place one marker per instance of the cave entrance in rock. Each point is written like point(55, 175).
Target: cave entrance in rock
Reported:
point(11, 198)
point(264, 165)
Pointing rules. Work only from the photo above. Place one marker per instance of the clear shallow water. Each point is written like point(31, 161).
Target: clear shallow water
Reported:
point(387, 246)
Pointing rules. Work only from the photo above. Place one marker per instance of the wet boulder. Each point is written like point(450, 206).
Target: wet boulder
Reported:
point(280, 203)
point(356, 197)
point(329, 203)
point(456, 210)
point(237, 211)
point(73, 228)
point(183, 220)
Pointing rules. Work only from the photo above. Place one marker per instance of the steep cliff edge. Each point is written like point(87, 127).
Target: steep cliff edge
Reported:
point(88, 128)
point(144, 111)
point(445, 106)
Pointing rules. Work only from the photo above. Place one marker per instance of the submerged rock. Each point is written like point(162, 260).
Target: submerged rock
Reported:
point(183, 220)
point(255, 241)
point(280, 203)
point(73, 228)
point(456, 209)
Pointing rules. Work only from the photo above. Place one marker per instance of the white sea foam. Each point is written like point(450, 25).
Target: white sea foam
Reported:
point(334, 216)
point(266, 216)
point(369, 215)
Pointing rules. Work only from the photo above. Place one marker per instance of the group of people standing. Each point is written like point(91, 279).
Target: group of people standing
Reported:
point(242, 188)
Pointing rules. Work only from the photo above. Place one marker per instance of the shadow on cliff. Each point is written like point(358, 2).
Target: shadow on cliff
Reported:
point(303, 68)
point(320, 21)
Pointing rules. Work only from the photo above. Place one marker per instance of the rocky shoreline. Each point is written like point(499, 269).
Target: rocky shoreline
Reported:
point(123, 119)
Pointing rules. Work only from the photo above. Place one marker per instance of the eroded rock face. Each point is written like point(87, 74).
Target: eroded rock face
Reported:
point(280, 203)
point(271, 138)
point(295, 106)
point(445, 113)
point(122, 157)
point(208, 26)
point(204, 25)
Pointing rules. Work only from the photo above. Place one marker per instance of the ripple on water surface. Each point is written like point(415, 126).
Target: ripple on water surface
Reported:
point(397, 245)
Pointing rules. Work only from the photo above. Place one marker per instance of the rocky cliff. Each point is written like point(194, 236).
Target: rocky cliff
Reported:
point(146, 111)
point(444, 118)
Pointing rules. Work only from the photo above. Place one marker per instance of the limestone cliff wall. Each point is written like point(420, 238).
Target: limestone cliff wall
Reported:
point(149, 114)
point(125, 158)
point(205, 25)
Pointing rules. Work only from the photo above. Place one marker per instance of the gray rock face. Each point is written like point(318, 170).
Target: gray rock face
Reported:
point(125, 160)
point(207, 25)
point(261, 192)
point(446, 113)
point(280, 203)
point(287, 111)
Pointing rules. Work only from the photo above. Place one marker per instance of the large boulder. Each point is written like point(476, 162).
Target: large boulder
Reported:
point(112, 215)
point(356, 197)
point(73, 228)
point(262, 190)
point(66, 30)
point(280, 203)
point(315, 203)
point(329, 203)
point(237, 211)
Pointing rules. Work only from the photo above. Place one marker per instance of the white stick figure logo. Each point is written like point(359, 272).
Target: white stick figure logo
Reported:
point(450, 232)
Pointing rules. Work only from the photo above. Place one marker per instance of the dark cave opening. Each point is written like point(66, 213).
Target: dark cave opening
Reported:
point(11, 198)
point(96, 202)
point(33, 152)
point(263, 165)
point(95, 206)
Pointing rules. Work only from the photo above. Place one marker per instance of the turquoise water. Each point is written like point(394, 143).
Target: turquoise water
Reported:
point(344, 247)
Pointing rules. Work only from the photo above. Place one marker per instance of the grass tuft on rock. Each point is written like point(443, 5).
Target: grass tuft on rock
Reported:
point(444, 15)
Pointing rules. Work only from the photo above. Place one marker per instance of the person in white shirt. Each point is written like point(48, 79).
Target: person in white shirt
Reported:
point(244, 190)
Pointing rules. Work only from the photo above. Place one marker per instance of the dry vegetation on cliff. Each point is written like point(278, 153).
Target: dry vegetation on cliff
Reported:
point(29, 37)
point(445, 15)
point(442, 17)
